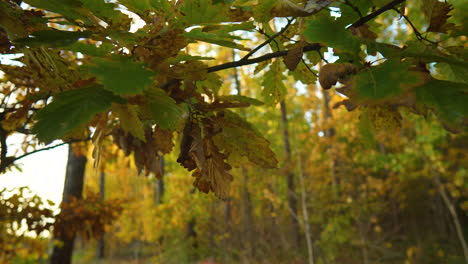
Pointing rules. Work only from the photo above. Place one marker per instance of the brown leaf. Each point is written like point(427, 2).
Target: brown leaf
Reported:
point(363, 32)
point(215, 177)
point(191, 151)
point(438, 17)
point(294, 56)
point(286, 8)
point(211, 170)
point(332, 73)
point(162, 139)
point(217, 170)
point(350, 106)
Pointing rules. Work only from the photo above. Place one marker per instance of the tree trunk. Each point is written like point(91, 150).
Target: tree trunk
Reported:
point(101, 249)
point(292, 198)
point(159, 185)
point(305, 213)
point(248, 225)
point(73, 187)
point(330, 132)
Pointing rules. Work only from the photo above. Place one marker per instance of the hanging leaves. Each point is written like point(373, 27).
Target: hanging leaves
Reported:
point(129, 120)
point(146, 153)
point(198, 152)
point(239, 138)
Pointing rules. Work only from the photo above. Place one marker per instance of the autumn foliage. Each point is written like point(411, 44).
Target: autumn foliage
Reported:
point(328, 131)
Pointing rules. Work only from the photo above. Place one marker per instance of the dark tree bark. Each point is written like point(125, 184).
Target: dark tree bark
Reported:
point(159, 185)
point(73, 187)
point(101, 248)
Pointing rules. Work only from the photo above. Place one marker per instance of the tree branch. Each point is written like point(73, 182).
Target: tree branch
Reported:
point(7, 161)
point(243, 62)
point(377, 12)
point(281, 53)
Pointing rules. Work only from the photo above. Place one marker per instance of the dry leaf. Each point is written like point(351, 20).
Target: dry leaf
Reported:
point(332, 73)
point(286, 8)
point(439, 16)
point(294, 56)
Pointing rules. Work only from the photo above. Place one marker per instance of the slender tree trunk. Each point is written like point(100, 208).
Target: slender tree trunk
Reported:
point(101, 249)
point(330, 132)
point(453, 213)
point(245, 194)
point(74, 179)
point(159, 185)
point(305, 214)
point(292, 198)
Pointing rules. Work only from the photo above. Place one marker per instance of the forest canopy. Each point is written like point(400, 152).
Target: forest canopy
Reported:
point(84, 74)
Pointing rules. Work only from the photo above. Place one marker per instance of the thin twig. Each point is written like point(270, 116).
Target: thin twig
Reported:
point(270, 39)
point(418, 34)
point(268, 36)
point(307, 66)
point(48, 148)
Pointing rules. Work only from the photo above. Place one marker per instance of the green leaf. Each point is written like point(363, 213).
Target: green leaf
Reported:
point(203, 11)
point(211, 85)
point(273, 86)
point(70, 110)
point(448, 100)
point(350, 14)
point(142, 6)
point(418, 50)
point(238, 137)
point(223, 40)
point(303, 74)
point(164, 110)
point(121, 75)
point(71, 9)
point(91, 49)
point(384, 81)
point(53, 38)
point(332, 33)
point(104, 10)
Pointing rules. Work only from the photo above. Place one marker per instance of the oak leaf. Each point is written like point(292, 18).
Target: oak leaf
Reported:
point(238, 137)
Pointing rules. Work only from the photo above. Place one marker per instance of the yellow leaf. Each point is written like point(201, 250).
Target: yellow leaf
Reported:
point(129, 120)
